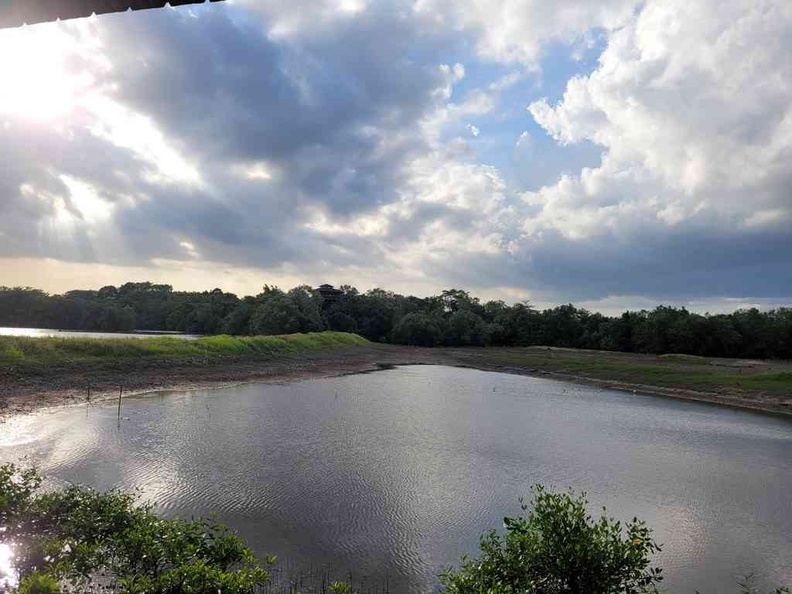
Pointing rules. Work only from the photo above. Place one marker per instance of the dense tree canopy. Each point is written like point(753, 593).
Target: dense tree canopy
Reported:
point(453, 318)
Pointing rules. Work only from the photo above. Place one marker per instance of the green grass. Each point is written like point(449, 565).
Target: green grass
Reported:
point(774, 383)
point(37, 352)
point(670, 371)
point(773, 378)
point(683, 358)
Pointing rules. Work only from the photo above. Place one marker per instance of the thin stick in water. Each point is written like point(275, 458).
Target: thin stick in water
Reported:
point(120, 392)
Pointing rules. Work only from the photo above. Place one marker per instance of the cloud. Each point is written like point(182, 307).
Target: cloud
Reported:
point(690, 103)
point(254, 138)
point(509, 31)
point(335, 138)
point(188, 112)
point(693, 101)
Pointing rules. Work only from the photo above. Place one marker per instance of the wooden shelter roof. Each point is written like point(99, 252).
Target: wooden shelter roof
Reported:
point(15, 13)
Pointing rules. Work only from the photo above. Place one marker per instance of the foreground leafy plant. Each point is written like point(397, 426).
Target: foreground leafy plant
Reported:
point(39, 583)
point(83, 540)
point(557, 548)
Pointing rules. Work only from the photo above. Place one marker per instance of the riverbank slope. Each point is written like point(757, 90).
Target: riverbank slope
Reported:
point(758, 385)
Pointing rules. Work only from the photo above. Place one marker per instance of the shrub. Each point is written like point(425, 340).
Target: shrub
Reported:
point(88, 539)
point(39, 583)
point(557, 548)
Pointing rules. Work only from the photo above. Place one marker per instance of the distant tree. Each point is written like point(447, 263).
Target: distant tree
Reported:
point(452, 318)
point(276, 313)
point(126, 318)
point(454, 300)
point(782, 322)
point(107, 292)
point(238, 319)
point(719, 337)
point(19, 306)
point(611, 335)
point(662, 329)
point(756, 331)
point(309, 304)
point(523, 325)
point(342, 322)
point(374, 312)
point(464, 328)
point(492, 310)
point(564, 326)
point(417, 329)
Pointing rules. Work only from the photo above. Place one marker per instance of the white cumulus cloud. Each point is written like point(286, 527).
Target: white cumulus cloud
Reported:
point(691, 105)
point(518, 30)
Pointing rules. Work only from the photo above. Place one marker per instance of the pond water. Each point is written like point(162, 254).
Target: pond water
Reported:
point(44, 332)
point(393, 475)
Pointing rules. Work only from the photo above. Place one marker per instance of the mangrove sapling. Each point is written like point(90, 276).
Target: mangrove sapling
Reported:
point(558, 548)
point(83, 539)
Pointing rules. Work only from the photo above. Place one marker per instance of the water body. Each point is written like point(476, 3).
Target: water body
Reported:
point(396, 473)
point(45, 332)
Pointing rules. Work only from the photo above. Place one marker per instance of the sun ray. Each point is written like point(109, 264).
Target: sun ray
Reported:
point(41, 82)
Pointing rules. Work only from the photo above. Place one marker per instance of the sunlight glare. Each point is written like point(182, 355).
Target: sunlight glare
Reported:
point(81, 203)
point(351, 6)
point(85, 201)
point(7, 573)
point(37, 82)
point(260, 171)
point(135, 131)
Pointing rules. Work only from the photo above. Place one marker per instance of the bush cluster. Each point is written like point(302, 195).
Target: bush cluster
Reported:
point(79, 540)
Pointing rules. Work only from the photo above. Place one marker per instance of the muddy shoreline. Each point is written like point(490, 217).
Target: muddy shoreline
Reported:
point(23, 392)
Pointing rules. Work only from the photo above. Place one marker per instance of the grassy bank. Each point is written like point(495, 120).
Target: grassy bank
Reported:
point(706, 374)
point(26, 352)
point(42, 372)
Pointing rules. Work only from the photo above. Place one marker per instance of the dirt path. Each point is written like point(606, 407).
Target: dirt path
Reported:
point(23, 392)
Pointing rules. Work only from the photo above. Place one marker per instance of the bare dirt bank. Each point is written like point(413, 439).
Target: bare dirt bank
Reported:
point(23, 391)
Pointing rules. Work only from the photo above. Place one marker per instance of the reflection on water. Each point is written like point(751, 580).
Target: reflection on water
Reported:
point(44, 332)
point(18, 431)
point(397, 473)
point(7, 576)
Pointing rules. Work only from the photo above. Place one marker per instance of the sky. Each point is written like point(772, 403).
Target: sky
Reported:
point(615, 154)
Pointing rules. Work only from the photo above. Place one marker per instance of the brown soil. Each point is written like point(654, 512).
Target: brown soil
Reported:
point(27, 391)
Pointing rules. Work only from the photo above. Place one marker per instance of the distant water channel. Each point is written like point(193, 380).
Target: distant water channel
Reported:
point(47, 332)
point(393, 475)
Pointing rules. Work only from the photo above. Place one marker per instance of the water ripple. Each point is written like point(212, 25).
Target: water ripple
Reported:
point(400, 473)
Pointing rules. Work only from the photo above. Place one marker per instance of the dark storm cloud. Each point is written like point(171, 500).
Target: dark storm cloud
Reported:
point(688, 263)
point(692, 265)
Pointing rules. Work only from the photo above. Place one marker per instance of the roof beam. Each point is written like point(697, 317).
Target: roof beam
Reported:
point(15, 13)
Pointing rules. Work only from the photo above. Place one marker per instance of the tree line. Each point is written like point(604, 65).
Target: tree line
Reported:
point(452, 318)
